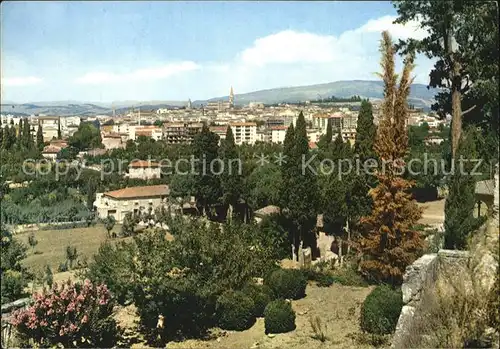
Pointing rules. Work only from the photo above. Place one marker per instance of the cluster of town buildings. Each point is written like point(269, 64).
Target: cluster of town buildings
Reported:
point(252, 123)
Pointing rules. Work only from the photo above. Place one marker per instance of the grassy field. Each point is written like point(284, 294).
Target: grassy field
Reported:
point(51, 247)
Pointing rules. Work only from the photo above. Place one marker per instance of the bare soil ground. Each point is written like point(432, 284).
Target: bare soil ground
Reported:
point(433, 212)
point(338, 307)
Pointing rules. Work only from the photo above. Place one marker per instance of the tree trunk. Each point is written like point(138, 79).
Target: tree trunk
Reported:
point(456, 96)
point(230, 213)
point(348, 236)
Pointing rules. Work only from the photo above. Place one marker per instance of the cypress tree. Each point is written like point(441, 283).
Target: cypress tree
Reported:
point(459, 207)
point(28, 138)
point(59, 129)
point(288, 168)
point(230, 180)
point(389, 242)
point(326, 139)
point(91, 190)
point(365, 132)
point(207, 183)
point(39, 137)
point(20, 143)
point(303, 190)
point(1, 135)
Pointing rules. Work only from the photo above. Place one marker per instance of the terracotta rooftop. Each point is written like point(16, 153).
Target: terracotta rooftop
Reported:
point(268, 210)
point(143, 163)
point(50, 149)
point(243, 124)
point(278, 128)
point(144, 133)
point(139, 192)
point(312, 145)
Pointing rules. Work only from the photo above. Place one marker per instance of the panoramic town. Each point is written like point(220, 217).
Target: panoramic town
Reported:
point(175, 175)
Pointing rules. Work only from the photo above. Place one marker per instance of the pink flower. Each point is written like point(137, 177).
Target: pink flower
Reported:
point(85, 319)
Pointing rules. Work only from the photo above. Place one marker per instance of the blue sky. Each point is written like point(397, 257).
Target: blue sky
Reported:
point(115, 51)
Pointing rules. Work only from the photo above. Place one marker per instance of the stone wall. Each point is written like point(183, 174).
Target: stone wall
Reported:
point(419, 276)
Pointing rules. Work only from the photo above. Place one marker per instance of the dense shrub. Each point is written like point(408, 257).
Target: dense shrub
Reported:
point(348, 276)
point(72, 315)
point(287, 283)
point(325, 280)
point(279, 317)
point(235, 311)
point(261, 296)
point(381, 309)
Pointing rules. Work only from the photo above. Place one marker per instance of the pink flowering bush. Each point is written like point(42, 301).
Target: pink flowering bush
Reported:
point(73, 315)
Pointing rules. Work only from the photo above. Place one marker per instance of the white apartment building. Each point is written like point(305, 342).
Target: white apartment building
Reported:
point(153, 132)
point(122, 128)
point(50, 126)
point(118, 203)
point(278, 134)
point(244, 132)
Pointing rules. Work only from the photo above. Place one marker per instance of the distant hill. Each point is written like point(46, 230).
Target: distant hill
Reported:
point(420, 96)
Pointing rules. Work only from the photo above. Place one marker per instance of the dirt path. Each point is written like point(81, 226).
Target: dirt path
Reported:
point(433, 212)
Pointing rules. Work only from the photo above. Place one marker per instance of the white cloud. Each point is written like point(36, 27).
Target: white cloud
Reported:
point(301, 47)
point(147, 74)
point(412, 29)
point(289, 47)
point(293, 58)
point(21, 81)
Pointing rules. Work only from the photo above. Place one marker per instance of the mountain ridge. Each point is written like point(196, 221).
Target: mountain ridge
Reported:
point(420, 96)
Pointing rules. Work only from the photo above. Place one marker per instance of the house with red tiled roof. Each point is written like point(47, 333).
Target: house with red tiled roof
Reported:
point(51, 151)
point(142, 169)
point(118, 203)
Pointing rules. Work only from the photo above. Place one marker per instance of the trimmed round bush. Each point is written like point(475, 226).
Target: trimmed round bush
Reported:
point(381, 309)
point(235, 311)
point(261, 296)
point(279, 317)
point(287, 283)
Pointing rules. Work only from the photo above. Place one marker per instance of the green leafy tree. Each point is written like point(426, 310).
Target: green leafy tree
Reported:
point(231, 181)
point(109, 224)
point(86, 137)
point(14, 276)
point(128, 225)
point(463, 38)
point(207, 183)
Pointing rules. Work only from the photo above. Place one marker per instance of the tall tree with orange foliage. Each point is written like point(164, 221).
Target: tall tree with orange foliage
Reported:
point(389, 243)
